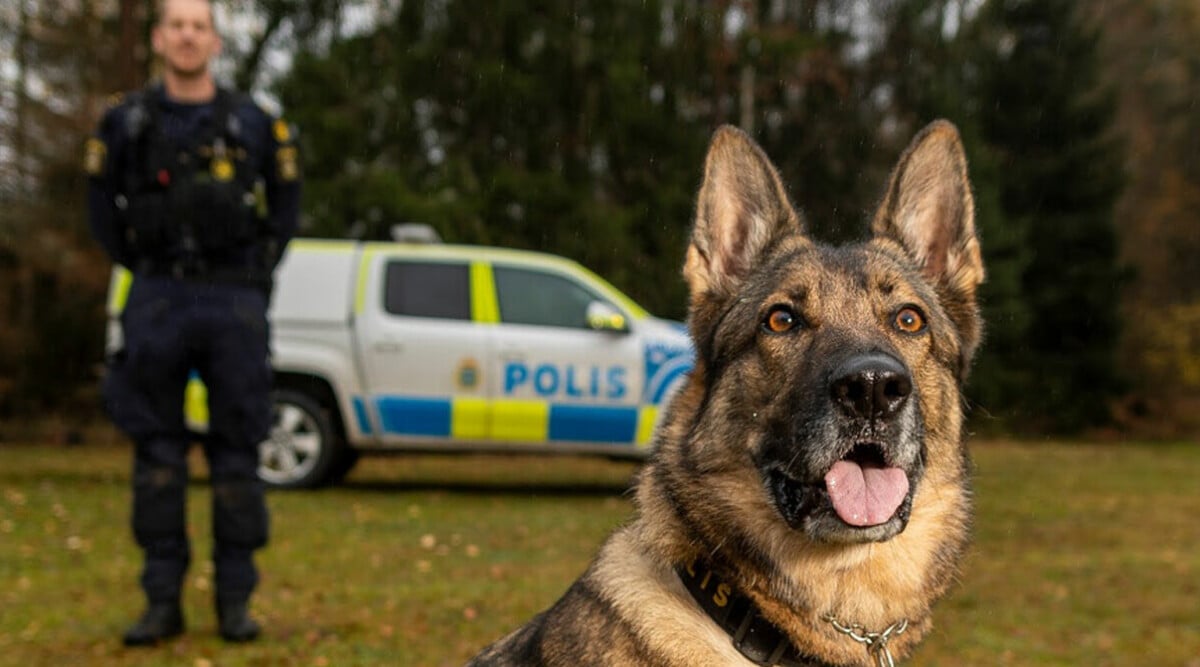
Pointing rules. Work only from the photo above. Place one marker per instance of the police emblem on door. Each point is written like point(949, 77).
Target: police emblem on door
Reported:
point(468, 374)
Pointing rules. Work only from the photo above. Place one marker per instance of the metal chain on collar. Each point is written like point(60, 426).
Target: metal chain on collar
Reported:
point(876, 642)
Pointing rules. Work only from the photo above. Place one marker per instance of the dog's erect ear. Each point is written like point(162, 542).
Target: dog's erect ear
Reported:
point(742, 210)
point(929, 210)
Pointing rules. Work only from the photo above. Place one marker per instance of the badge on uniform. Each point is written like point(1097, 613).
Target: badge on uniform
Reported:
point(283, 133)
point(93, 156)
point(221, 169)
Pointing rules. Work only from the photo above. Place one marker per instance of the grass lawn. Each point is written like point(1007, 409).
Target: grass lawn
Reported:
point(1084, 554)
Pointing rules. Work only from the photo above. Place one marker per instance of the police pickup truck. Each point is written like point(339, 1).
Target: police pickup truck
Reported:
point(385, 346)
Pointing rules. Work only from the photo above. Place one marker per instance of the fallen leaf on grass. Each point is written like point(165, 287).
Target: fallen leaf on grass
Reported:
point(31, 631)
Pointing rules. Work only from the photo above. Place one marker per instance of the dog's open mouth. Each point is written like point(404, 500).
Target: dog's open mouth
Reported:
point(862, 488)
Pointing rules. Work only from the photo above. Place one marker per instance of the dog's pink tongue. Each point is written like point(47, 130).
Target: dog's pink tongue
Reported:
point(865, 496)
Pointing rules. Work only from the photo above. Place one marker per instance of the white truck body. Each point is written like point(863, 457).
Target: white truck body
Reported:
point(381, 346)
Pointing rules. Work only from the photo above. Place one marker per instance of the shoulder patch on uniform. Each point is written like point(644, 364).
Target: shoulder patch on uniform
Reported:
point(287, 163)
point(94, 154)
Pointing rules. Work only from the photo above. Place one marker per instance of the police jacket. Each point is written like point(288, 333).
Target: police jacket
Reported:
point(201, 191)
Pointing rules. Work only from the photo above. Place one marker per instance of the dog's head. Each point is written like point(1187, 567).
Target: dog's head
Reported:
point(835, 371)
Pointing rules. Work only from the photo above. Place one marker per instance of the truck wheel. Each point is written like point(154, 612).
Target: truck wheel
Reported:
point(303, 450)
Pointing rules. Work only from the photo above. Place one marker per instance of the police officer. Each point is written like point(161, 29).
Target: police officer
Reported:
point(196, 190)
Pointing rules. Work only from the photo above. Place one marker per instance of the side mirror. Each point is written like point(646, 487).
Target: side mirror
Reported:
point(603, 317)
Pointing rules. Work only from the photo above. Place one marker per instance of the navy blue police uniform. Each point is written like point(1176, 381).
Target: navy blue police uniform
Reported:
point(198, 201)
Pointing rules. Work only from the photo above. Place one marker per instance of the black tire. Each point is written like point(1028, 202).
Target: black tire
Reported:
point(304, 449)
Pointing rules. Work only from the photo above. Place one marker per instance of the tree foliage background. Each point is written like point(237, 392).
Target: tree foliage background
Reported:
point(579, 127)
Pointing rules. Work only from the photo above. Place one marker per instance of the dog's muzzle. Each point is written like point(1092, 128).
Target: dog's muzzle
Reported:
point(861, 463)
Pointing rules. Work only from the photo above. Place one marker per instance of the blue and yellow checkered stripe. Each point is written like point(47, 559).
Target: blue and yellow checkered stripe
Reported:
point(509, 420)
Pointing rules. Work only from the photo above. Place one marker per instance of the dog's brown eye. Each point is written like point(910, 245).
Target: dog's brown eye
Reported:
point(910, 320)
point(780, 320)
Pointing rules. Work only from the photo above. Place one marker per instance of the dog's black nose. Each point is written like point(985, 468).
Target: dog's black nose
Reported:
point(872, 386)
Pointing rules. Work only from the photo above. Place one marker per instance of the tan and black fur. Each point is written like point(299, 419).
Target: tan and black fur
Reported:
point(806, 355)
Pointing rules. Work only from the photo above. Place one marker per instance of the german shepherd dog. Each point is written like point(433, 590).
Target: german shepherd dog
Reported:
point(808, 499)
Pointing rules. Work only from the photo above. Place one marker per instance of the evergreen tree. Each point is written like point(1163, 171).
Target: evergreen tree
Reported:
point(563, 128)
point(573, 127)
point(51, 273)
point(1048, 121)
point(812, 114)
point(925, 68)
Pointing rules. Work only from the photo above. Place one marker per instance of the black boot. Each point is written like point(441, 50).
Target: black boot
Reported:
point(162, 620)
point(234, 622)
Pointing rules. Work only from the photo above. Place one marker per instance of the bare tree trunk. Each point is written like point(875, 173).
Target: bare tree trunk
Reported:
point(746, 83)
point(23, 311)
point(130, 76)
point(248, 71)
point(21, 86)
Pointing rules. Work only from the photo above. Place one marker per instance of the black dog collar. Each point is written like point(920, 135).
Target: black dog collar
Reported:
point(756, 638)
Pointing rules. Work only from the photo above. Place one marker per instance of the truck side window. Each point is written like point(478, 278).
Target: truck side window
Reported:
point(428, 289)
point(533, 297)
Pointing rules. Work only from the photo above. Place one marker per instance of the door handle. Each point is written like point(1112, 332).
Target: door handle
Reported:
point(388, 346)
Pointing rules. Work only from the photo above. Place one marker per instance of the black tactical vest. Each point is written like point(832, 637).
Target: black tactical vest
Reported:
point(187, 203)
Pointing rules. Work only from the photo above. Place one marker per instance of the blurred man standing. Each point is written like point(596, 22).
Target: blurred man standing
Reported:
point(196, 190)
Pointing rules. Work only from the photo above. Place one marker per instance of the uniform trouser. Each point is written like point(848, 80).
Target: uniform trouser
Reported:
point(219, 331)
